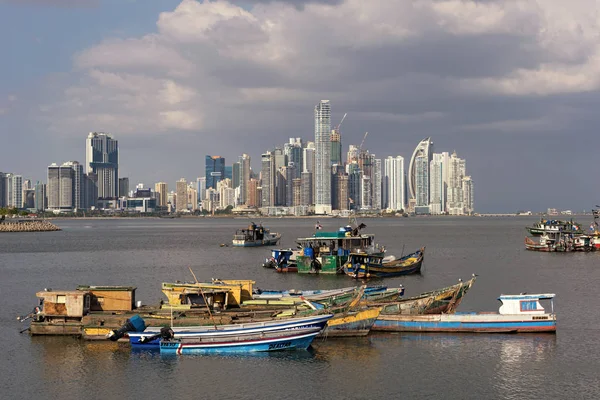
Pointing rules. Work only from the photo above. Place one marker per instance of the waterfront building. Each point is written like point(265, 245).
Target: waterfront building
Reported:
point(25, 188)
point(280, 158)
point(307, 188)
point(436, 185)
point(171, 201)
point(139, 204)
point(297, 192)
point(29, 199)
point(295, 155)
point(201, 188)
point(308, 158)
point(192, 198)
point(161, 191)
point(182, 197)
point(393, 183)
point(102, 159)
point(235, 174)
point(424, 151)
point(60, 187)
point(467, 192)
point(123, 187)
point(253, 198)
point(421, 169)
point(215, 170)
point(14, 190)
point(3, 191)
point(268, 176)
point(456, 173)
point(365, 193)
point(354, 185)
point(323, 157)
point(340, 180)
point(229, 172)
point(290, 175)
point(226, 193)
point(41, 201)
point(244, 162)
point(376, 178)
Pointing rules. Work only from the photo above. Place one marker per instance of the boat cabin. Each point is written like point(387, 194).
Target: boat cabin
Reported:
point(64, 304)
point(218, 294)
point(525, 304)
point(110, 298)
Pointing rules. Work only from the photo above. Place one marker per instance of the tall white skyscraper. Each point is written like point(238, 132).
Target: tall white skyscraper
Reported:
point(376, 183)
point(436, 185)
point(456, 172)
point(467, 193)
point(424, 151)
point(60, 187)
point(323, 157)
point(308, 158)
point(14, 190)
point(102, 158)
point(244, 161)
point(268, 175)
point(393, 183)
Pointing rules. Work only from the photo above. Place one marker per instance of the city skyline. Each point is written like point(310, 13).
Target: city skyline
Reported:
point(505, 97)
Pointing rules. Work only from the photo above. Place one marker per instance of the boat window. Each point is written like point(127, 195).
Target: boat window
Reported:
point(61, 299)
point(529, 305)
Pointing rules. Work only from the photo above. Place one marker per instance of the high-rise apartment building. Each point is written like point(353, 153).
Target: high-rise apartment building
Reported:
point(323, 157)
point(123, 187)
point(307, 188)
point(14, 191)
point(436, 184)
point(60, 187)
point(295, 154)
point(393, 183)
point(181, 199)
point(161, 191)
point(268, 176)
point(456, 173)
point(467, 193)
point(3, 191)
point(424, 151)
point(336, 147)
point(253, 198)
point(201, 188)
point(102, 159)
point(235, 174)
point(244, 161)
point(215, 171)
point(41, 201)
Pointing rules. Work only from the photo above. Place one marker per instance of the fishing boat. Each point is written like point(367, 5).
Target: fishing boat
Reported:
point(326, 252)
point(151, 336)
point(283, 260)
point(371, 293)
point(241, 342)
point(551, 242)
point(518, 313)
point(360, 265)
point(439, 301)
point(255, 236)
point(546, 225)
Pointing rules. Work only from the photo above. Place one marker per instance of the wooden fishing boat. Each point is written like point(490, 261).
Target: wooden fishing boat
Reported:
point(517, 314)
point(551, 242)
point(255, 236)
point(298, 339)
point(150, 337)
point(439, 301)
point(326, 252)
point(360, 265)
point(282, 260)
point(352, 323)
point(554, 226)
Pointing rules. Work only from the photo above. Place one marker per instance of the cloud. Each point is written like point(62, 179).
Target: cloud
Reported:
point(243, 70)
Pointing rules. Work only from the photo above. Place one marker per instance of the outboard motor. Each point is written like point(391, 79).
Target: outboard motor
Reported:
point(133, 324)
point(165, 333)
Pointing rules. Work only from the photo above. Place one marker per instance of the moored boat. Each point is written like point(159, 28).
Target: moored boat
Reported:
point(299, 339)
point(517, 314)
point(360, 265)
point(282, 260)
point(255, 236)
point(554, 226)
point(444, 300)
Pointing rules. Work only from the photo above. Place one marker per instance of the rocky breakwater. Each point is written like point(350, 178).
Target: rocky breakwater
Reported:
point(28, 226)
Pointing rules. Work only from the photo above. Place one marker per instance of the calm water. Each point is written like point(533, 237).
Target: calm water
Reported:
point(146, 252)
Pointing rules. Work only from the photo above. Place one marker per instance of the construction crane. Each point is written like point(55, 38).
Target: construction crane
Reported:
point(363, 142)
point(337, 128)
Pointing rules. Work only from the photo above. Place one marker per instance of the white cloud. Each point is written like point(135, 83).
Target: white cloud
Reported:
point(208, 57)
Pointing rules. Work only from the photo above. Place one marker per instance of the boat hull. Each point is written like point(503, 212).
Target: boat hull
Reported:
point(289, 341)
point(410, 264)
point(140, 339)
point(357, 323)
point(256, 243)
point(473, 323)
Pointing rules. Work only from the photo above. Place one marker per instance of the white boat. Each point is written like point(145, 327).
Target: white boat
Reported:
point(255, 236)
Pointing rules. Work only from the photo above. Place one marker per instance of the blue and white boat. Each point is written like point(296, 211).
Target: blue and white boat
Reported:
point(151, 336)
point(255, 236)
point(242, 342)
point(518, 313)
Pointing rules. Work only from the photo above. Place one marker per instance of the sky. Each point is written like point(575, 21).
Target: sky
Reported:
point(513, 86)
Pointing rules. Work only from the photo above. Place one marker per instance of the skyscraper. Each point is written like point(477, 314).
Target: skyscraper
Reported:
point(182, 195)
point(336, 147)
point(244, 161)
point(161, 191)
point(123, 187)
point(467, 192)
point(60, 187)
point(268, 174)
point(102, 159)
point(393, 183)
point(436, 184)
point(41, 202)
point(456, 172)
point(424, 150)
point(323, 157)
point(215, 171)
point(3, 190)
point(14, 190)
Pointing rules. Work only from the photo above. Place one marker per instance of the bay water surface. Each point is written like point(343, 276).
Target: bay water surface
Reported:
point(146, 252)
